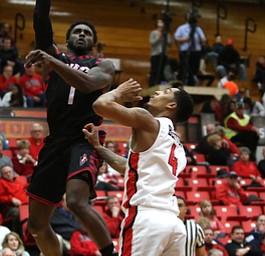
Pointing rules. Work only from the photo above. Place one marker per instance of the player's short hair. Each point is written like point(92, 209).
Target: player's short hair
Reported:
point(185, 105)
point(83, 22)
point(181, 198)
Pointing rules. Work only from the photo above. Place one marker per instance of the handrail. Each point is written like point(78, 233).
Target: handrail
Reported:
point(221, 13)
point(19, 25)
point(251, 28)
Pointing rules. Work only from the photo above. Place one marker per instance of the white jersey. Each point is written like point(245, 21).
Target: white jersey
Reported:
point(151, 176)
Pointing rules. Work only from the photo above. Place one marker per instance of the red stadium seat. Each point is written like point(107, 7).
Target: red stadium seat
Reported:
point(182, 185)
point(200, 184)
point(194, 211)
point(226, 213)
point(180, 193)
point(190, 146)
point(197, 171)
point(250, 212)
point(248, 225)
point(229, 224)
point(199, 157)
point(99, 208)
point(8, 153)
point(196, 197)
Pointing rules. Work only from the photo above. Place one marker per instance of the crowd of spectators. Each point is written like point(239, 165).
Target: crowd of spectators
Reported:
point(19, 86)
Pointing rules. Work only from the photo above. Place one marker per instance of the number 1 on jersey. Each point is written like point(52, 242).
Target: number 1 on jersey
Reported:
point(173, 161)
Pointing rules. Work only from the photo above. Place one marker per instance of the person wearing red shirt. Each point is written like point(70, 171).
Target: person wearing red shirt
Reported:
point(82, 245)
point(33, 87)
point(211, 244)
point(36, 140)
point(240, 130)
point(12, 194)
point(6, 79)
point(24, 164)
point(113, 216)
point(244, 167)
point(229, 191)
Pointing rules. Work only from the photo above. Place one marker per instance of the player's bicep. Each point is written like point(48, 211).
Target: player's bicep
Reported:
point(131, 117)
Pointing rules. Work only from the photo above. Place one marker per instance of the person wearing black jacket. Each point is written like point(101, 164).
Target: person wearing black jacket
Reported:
point(238, 247)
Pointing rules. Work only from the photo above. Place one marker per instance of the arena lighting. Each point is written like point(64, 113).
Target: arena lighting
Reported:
point(23, 2)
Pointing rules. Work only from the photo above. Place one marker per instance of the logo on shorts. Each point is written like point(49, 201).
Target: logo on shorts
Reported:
point(83, 159)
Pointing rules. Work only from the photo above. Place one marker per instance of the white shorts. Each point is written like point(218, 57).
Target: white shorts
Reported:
point(152, 232)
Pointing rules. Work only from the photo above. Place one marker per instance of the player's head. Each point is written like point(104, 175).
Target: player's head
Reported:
point(81, 37)
point(174, 103)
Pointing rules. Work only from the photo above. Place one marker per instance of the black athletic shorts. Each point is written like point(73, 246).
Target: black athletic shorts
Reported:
point(61, 159)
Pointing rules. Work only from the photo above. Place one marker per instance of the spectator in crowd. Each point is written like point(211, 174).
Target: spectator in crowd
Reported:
point(5, 31)
point(262, 246)
point(7, 252)
point(12, 194)
point(207, 211)
point(229, 192)
point(253, 108)
point(64, 225)
point(14, 242)
point(240, 130)
point(190, 38)
point(36, 140)
point(113, 216)
point(4, 141)
point(195, 244)
point(203, 74)
point(203, 146)
point(113, 146)
point(213, 106)
point(261, 164)
point(228, 105)
point(159, 40)
point(24, 164)
point(105, 180)
point(3, 231)
point(203, 222)
point(212, 56)
point(6, 79)
point(4, 160)
point(230, 58)
point(244, 167)
point(237, 246)
point(9, 56)
point(82, 245)
point(259, 76)
point(233, 148)
point(210, 243)
point(254, 237)
point(218, 153)
point(33, 88)
point(14, 98)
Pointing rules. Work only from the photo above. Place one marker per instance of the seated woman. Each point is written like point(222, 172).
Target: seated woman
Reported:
point(207, 211)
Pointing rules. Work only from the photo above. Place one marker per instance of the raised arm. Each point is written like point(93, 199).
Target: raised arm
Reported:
point(115, 161)
point(109, 105)
point(42, 26)
point(96, 78)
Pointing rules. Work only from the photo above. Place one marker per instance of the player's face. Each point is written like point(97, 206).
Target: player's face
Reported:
point(160, 99)
point(81, 39)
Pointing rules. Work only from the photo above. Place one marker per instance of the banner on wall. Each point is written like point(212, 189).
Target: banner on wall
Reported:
point(19, 128)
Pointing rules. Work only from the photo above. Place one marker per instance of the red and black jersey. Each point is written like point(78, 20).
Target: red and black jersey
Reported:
point(68, 110)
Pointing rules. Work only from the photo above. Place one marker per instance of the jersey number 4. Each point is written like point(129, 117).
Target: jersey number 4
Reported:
point(173, 161)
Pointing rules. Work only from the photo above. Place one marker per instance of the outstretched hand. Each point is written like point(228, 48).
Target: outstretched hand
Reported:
point(91, 134)
point(129, 91)
point(38, 58)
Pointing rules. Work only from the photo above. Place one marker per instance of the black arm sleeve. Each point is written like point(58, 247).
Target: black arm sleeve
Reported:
point(42, 24)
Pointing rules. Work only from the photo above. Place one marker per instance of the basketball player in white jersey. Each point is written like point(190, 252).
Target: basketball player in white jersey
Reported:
point(151, 226)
